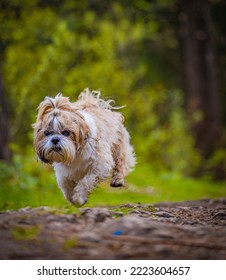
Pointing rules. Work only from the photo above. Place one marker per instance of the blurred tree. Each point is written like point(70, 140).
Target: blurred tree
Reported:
point(4, 124)
point(5, 15)
point(201, 75)
point(10, 15)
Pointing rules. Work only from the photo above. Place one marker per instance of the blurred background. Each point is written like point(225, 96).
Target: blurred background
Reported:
point(164, 59)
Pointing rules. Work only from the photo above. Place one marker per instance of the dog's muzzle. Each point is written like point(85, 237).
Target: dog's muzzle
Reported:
point(56, 144)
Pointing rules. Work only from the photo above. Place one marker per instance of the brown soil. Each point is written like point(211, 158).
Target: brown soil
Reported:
point(186, 230)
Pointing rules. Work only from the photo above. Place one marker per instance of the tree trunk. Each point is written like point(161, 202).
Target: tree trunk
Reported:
point(4, 125)
point(201, 77)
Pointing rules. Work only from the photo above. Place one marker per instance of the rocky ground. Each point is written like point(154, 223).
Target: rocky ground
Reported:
point(186, 230)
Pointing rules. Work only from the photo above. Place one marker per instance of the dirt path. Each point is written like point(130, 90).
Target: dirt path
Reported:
point(187, 230)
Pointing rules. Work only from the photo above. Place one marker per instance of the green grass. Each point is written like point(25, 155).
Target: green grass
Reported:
point(145, 186)
point(34, 185)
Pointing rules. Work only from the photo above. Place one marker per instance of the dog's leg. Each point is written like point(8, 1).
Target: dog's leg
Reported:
point(66, 186)
point(81, 191)
point(124, 159)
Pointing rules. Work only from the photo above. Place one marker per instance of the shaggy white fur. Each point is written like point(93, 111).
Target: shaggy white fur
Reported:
point(85, 141)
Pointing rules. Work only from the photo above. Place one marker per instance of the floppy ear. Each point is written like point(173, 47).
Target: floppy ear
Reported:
point(80, 129)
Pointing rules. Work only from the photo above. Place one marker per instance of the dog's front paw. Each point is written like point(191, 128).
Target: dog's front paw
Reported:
point(117, 182)
point(79, 200)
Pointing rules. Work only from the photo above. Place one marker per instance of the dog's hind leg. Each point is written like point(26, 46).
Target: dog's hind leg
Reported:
point(123, 157)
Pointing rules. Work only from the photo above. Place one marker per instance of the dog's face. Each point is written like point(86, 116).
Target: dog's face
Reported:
point(60, 131)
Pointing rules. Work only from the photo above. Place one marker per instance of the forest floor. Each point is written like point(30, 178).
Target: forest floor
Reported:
point(183, 230)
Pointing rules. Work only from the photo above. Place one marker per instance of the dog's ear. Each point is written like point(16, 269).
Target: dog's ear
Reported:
point(80, 129)
point(53, 104)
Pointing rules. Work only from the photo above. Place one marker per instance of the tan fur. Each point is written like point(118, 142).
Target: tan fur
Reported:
point(85, 141)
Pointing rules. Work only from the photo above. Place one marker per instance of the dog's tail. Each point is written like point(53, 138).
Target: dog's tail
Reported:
point(93, 98)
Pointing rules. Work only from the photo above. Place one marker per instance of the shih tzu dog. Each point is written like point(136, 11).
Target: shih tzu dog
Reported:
point(85, 141)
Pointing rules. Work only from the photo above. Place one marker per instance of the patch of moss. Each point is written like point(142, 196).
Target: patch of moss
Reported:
point(70, 209)
point(25, 232)
point(149, 208)
point(71, 242)
point(65, 209)
point(121, 211)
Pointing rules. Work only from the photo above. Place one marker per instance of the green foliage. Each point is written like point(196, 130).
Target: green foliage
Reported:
point(163, 138)
point(24, 181)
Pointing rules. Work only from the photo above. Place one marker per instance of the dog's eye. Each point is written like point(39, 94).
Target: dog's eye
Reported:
point(66, 133)
point(47, 132)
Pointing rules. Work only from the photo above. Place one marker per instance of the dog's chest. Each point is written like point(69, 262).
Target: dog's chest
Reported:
point(77, 170)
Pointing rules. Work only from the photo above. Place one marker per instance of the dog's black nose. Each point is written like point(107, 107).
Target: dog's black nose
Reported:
point(55, 140)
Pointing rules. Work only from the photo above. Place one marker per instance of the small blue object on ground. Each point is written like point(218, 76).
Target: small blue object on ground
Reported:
point(117, 232)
